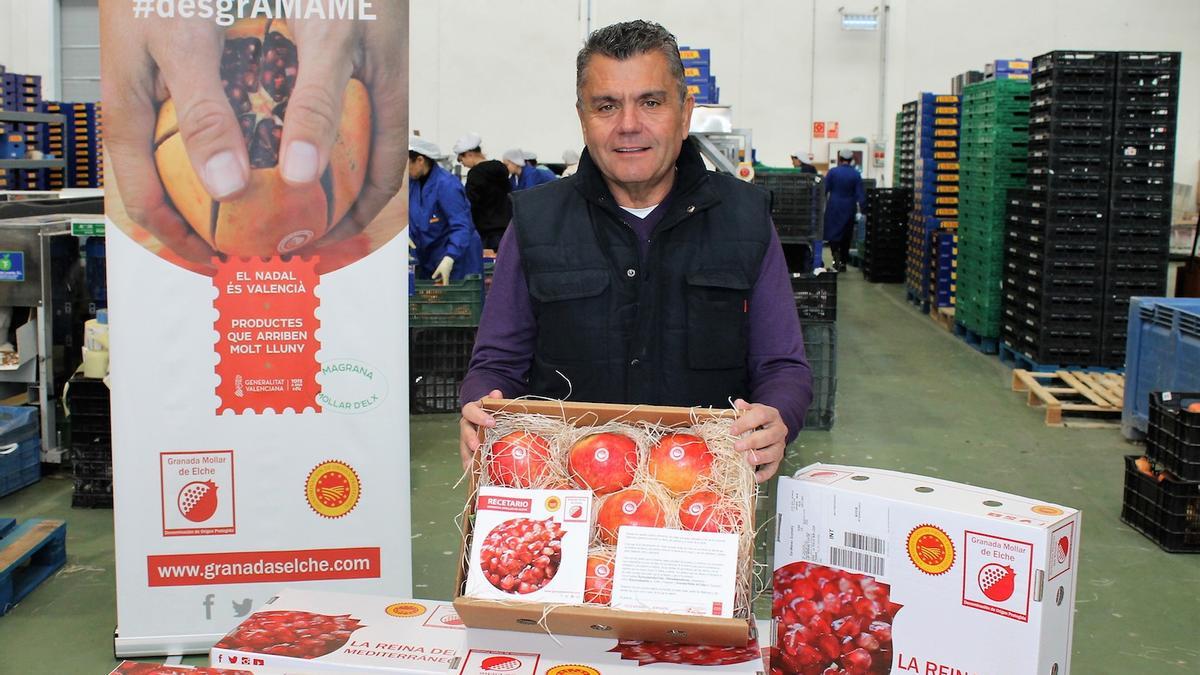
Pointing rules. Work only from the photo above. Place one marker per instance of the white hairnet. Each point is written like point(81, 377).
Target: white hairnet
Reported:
point(468, 142)
point(515, 156)
point(570, 157)
point(423, 147)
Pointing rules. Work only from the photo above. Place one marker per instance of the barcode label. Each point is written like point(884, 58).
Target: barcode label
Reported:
point(862, 542)
point(856, 560)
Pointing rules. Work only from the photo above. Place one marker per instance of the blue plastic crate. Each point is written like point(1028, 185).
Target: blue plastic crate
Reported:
point(1162, 354)
point(20, 464)
point(696, 70)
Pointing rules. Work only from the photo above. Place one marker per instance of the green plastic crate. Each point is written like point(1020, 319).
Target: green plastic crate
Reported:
point(457, 304)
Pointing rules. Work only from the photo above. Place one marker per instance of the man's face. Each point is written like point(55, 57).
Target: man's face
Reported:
point(633, 121)
point(513, 169)
point(469, 159)
point(418, 167)
point(795, 161)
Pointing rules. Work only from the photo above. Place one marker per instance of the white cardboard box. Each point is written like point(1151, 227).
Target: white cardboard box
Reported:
point(964, 579)
point(424, 636)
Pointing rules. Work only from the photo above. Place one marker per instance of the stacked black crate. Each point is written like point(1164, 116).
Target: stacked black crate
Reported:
point(885, 243)
point(1056, 236)
point(797, 206)
point(1143, 162)
point(87, 401)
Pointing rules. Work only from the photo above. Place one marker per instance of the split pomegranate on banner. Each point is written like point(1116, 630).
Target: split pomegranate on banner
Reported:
point(258, 290)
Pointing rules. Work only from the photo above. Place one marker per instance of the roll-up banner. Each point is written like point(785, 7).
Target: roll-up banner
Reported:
point(256, 159)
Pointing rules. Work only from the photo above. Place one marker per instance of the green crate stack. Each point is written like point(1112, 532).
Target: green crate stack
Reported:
point(458, 304)
point(995, 142)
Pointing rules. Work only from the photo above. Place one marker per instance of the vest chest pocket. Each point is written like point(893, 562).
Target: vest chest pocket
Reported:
point(717, 310)
point(572, 310)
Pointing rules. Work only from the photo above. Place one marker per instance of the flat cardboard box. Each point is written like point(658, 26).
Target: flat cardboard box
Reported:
point(418, 637)
point(984, 581)
point(583, 620)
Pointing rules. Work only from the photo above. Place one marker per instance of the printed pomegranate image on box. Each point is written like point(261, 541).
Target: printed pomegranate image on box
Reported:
point(885, 572)
point(197, 493)
point(302, 635)
point(529, 545)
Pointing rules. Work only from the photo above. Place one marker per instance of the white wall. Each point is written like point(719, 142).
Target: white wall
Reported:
point(505, 68)
point(29, 40)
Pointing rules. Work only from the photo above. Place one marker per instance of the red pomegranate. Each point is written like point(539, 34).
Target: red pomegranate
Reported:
point(703, 512)
point(518, 459)
point(603, 463)
point(198, 500)
point(628, 507)
point(679, 460)
point(597, 588)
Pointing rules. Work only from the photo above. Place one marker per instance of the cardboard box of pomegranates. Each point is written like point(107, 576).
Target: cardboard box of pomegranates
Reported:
point(603, 520)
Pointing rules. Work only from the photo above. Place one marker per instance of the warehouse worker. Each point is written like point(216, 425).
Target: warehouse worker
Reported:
point(522, 174)
point(439, 217)
point(844, 197)
point(487, 189)
point(644, 278)
point(804, 162)
point(571, 160)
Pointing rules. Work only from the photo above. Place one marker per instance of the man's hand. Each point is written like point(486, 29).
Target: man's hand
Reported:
point(473, 417)
point(764, 447)
point(442, 273)
point(146, 61)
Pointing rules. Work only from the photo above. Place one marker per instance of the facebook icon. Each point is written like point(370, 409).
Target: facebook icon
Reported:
point(208, 605)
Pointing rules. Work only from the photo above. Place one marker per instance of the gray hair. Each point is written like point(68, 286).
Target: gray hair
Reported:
point(624, 40)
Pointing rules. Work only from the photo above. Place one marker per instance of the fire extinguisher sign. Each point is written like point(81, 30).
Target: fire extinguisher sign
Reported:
point(997, 575)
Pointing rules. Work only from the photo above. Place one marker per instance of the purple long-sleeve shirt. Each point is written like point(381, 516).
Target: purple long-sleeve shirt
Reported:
point(779, 374)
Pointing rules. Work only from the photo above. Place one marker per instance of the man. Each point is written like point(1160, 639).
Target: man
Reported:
point(804, 162)
point(523, 174)
point(487, 189)
point(643, 278)
point(843, 195)
point(439, 218)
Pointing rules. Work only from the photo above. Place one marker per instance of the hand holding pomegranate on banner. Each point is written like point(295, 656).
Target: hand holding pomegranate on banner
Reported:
point(226, 145)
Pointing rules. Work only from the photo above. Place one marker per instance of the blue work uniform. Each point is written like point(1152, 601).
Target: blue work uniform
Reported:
point(532, 176)
point(439, 223)
point(843, 190)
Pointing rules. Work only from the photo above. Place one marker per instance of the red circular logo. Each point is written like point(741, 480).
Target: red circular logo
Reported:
point(500, 664)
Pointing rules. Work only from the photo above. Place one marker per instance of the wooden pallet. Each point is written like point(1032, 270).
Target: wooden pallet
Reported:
point(29, 554)
point(943, 316)
point(1074, 398)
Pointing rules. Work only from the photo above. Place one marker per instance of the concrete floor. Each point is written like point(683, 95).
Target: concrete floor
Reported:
point(911, 397)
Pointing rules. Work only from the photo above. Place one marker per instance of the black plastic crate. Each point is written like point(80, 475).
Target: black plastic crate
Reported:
point(1090, 89)
point(1167, 511)
point(1087, 145)
point(1135, 227)
point(1149, 62)
point(1161, 168)
point(1042, 161)
point(1133, 148)
point(1040, 348)
point(437, 362)
point(93, 499)
point(91, 469)
point(1065, 62)
point(820, 349)
point(1143, 130)
point(87, 395)
point(1053, 114)
point(816, 296)
point(1152, 95)
point(88, 424)
point(1173, 433)
point(1043, 180)
point(1125, 111)
point(1083, 284)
